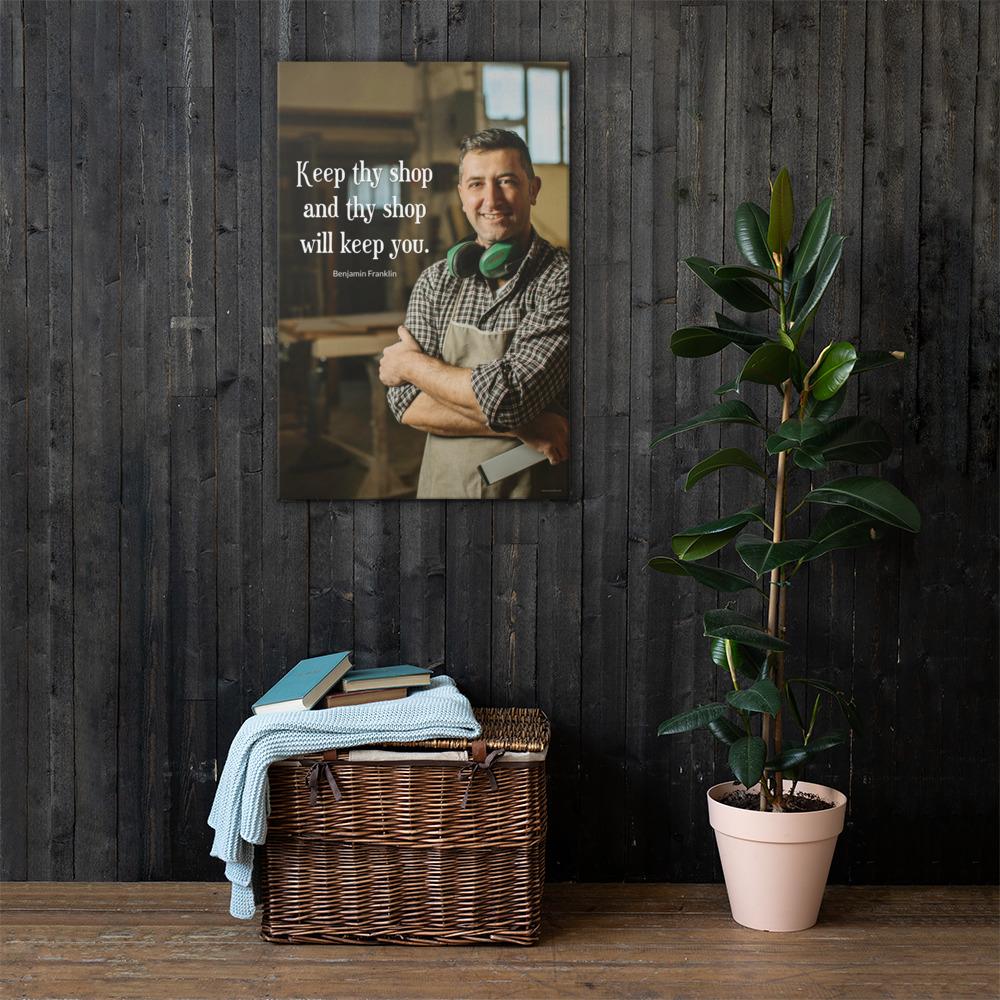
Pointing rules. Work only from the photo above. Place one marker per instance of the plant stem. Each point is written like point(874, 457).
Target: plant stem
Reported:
point(776, 598)
point(729, 659)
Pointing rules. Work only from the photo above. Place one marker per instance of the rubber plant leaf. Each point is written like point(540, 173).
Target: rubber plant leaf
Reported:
point(806, 458)
point(813, 237)
point(779, 229)
point(794, 433)
point(825, 409)
point(840, 528)
point(722, 729)
point(834, 370)
point(703, 341)
point(740, 293)
point(725, 458)
point(726, 624)
point(717, 579)
point(746, 758)
point(748, 661)
point(704, 539)
point(730, 272)
point(846, 702)
point(788, 758)
point(869, 495)
point(763, 697)
point(694, 718)
point(733, 411)
point(768, 365)
point(750, 230)
point(859, 440)
point(829, 258)
point(761, 556)
point(869, 360)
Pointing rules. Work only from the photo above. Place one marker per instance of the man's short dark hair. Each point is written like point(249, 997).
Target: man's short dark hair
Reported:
point(495, 138)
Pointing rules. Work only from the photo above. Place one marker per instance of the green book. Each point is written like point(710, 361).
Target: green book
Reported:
point(404, 675)
point(305, 683)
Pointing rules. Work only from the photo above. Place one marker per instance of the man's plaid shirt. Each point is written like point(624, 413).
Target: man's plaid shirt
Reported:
point(534, 371)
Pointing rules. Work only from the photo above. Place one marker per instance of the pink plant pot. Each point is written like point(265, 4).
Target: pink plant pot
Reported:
point(776, 864)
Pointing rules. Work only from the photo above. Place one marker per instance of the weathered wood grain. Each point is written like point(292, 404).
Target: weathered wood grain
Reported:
point(146, 684)
point(939, 638)
point(193, 628)
point(96, 279)
point(176, 940)
point(285, 529)
point(889, 320)
point(560, 525)
point(14, 442)
point(823, 646)
point(701, 232)
point(49, 479)
point(652, 313)
point(151, 584)
point(604, 584)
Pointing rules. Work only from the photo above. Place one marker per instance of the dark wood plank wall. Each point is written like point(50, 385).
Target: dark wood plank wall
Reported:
point(151, 584)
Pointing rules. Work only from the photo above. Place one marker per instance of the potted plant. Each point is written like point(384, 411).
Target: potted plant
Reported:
point(775, 833)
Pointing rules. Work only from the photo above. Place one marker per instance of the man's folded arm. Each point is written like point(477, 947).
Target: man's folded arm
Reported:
point(534, 371)
point(425, 413)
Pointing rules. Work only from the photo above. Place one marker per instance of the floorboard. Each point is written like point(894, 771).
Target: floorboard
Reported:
point(176, 940)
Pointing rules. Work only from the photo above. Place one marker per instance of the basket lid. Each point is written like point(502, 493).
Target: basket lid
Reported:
point(519, 730)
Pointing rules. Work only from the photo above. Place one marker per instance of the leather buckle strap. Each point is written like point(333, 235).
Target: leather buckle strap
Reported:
point(486, 766)
point(312, 781)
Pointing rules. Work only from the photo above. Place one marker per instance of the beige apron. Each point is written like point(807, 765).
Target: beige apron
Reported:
point(450, 468)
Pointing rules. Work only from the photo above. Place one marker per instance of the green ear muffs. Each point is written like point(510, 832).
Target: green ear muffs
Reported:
point(498, 261)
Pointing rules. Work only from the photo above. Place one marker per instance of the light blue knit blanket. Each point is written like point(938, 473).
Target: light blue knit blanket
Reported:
point(239, 812)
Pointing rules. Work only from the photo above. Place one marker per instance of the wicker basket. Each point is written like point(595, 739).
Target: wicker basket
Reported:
point(421, 851)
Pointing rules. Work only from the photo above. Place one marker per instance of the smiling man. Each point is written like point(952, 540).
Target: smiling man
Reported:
point(482, 363)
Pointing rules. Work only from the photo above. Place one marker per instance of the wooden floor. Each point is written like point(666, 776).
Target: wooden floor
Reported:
point(176, 940)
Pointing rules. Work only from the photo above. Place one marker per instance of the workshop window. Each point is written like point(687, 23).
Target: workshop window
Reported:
point(381, 194)
point(532, 101)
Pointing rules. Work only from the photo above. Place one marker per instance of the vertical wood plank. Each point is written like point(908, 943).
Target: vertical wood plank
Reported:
point(435, 32)
point(193, 629)
point(285, 528)
point(145, 682)
point(984, 366)
point(14, 443)
point(937, 699)
point(560, 525)
point(980, 481)
point(889, 317)
point(50, 402)
point(655, 50)
point(606, 444)
point(237, 116)
point(193, 568)
point(700, 231)
point(96, 434)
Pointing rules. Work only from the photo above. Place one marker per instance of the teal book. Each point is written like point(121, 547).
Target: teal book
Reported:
point(372, 678)
point(305, 683)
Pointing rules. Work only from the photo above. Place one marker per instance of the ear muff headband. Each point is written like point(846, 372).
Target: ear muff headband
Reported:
point(467, 258)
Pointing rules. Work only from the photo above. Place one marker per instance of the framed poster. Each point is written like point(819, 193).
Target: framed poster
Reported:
point(424, 295)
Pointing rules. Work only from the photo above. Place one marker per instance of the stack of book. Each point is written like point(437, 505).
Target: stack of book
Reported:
point(331, 681)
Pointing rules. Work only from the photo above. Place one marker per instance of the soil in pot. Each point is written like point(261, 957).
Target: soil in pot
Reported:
point(800, 802)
